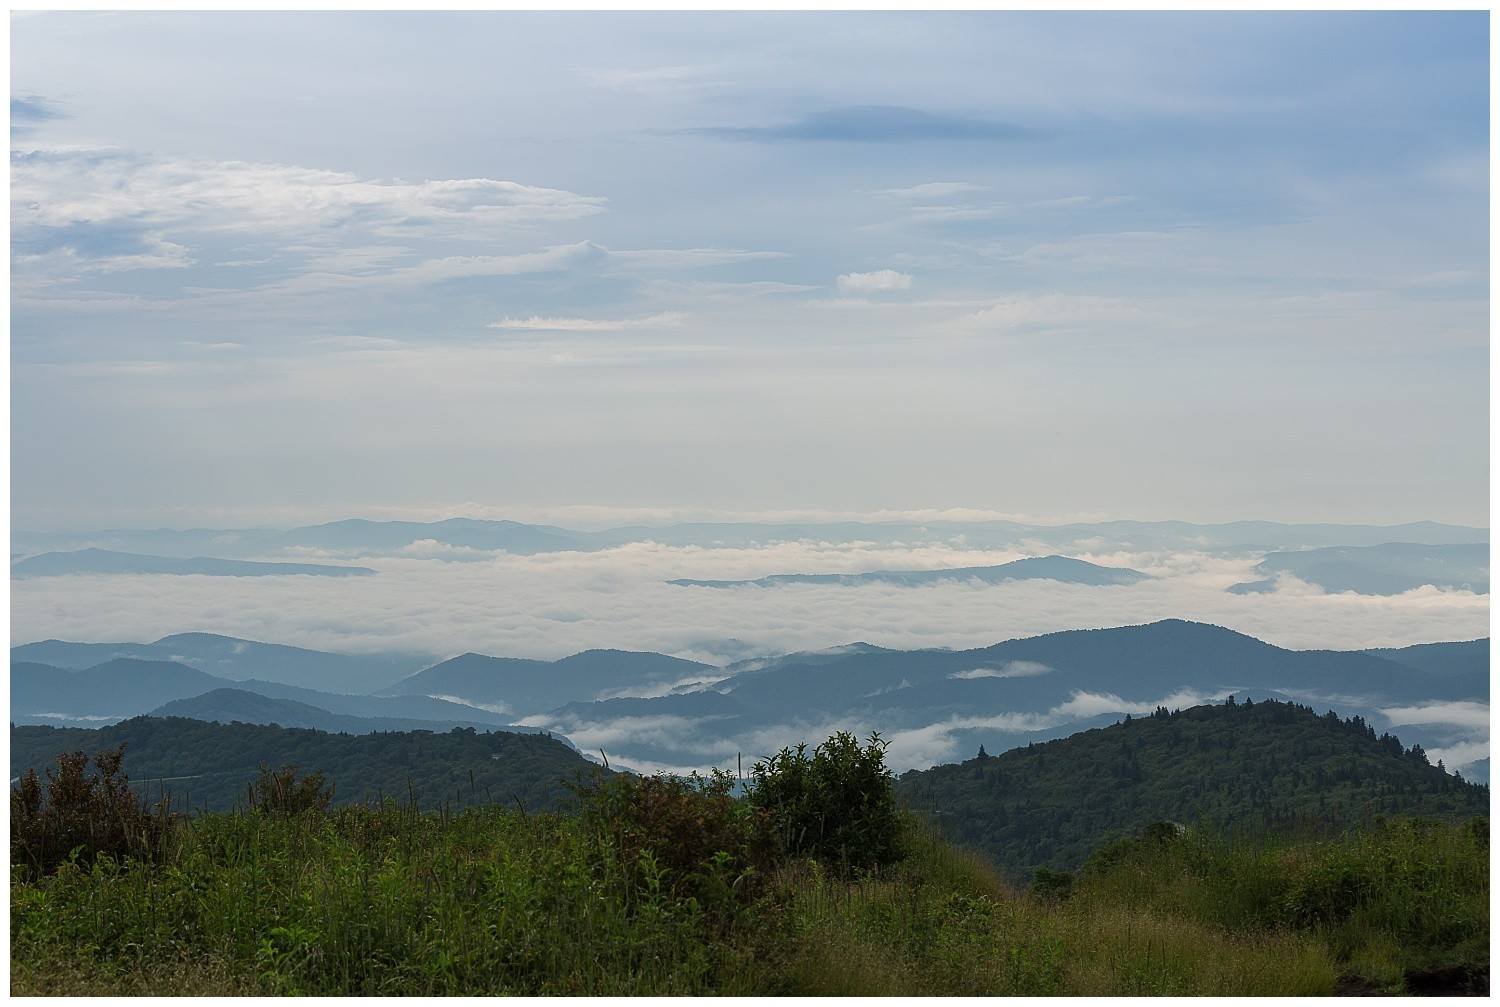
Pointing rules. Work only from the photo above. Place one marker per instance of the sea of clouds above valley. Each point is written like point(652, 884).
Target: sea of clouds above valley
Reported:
point(441, 602)
point(555, 604)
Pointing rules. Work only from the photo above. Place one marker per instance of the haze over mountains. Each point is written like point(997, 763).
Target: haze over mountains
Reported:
point(1390, 568)
point(649, 711)
point(56, 564)
point(692, 645)
point(543, 591)
point(1058, 568)
point(358, 537)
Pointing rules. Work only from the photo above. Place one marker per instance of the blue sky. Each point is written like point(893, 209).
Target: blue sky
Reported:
point(286, 267)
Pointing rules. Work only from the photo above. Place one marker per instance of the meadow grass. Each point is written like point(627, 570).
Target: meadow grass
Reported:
point(386, 900)
point(942, 923)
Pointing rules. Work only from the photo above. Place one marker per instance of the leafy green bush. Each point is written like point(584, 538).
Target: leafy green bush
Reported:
point(83, 816)
point(837, 805)
point(689, 837)
point(1052, 886)
point(281, 793)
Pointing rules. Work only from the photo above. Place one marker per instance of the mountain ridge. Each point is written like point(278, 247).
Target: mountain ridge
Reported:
point(1062, 569)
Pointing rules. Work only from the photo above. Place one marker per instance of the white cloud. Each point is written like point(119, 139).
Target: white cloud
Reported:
point(499, 708)
point(452, 267)
point(659, 731)
point(1089, 704)
point(1457, 756)
point(537, 322)
point(1012, 669)
point(431, 548)
point(932, 744)
point(1462, 714)
point(876, 282)
point(62, 188)
point(110, 210)
point(554, 604)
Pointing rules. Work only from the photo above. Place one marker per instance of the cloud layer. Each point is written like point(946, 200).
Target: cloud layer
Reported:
point(555, 604)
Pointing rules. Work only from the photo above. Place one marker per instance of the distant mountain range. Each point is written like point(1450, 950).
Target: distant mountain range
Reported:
point(1385, 569)
point(56, 564)
point(1057, 568)
point(225, 706)
point(235, 660)
point(527, 687)
point(652, 710)
point(1013, 693)
point(461, 535)
point(1361, 558)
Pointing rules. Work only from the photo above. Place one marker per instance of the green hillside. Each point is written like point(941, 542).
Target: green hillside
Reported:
point(1267, 765)
point(207, 765)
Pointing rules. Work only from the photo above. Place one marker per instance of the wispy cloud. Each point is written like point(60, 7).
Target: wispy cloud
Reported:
point(876, 124)
point(1012, 669)
point(55, 188)
point(538, 323)
point(1460, 714)
point(931, 190)
point(73, 209)
point(690, 258)
point(1056, 310)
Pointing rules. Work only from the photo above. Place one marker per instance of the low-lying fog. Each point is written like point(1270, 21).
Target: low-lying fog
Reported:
point(442, 602)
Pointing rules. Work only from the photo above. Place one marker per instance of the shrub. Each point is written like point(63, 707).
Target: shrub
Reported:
point(837, 805)
point(84, 816)
point(281, 793)
point(1052, 886)
point(689, 837)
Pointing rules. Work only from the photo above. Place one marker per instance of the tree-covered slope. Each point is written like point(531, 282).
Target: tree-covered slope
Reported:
point(209, 764)
point(225, 706)
point(1241, 765)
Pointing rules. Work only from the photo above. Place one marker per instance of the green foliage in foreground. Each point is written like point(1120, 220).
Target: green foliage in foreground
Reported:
point(672, 887)
point(1270, 766)
point(82, 814)
point(836, 804)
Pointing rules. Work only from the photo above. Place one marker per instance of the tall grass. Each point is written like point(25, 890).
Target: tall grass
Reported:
point(384, 901)
point(663, 888)
point(942, 923)
point(1402, 900)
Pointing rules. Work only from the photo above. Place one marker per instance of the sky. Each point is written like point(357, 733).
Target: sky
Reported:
point(270, 268)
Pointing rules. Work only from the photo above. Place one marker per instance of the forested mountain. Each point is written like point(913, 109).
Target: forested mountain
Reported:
point(1003, 695)
point(225, 706)
point(1388, 568)
point(1469, 657)
point(653, 709)
point(207, 765)
point(104, 692)
point(526, 687)
point(126, 687)
point(1237, 765)
point(228, 657)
